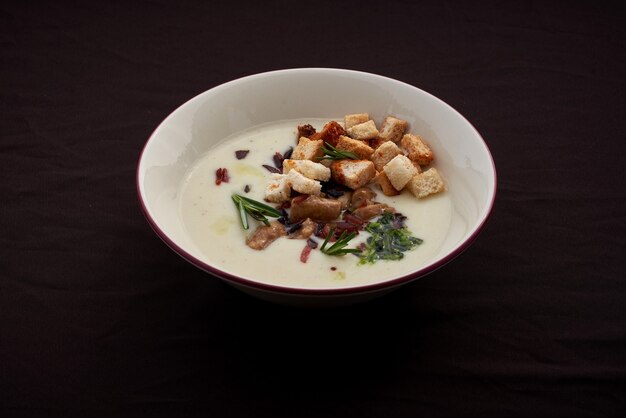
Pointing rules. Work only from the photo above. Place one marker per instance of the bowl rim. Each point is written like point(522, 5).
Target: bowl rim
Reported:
point(352, 290)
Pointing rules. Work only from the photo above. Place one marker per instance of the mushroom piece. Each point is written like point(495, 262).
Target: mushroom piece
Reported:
point(371, 211)
point(264, 235)
point(314, 207)
point(362, 196)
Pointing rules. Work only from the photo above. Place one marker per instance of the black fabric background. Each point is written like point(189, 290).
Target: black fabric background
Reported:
point(99, 317)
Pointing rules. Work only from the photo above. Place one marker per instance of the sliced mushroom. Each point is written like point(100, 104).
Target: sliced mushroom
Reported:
point(371, 211)
point(361, 197)
point(264, 235)
point(314, 207)
point(345, 199)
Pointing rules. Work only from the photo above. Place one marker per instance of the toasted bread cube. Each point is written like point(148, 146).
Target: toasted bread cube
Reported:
point(393, 129)
point(355, 119)
point(384, 153)
point(360, 148)
point(307, 168)
point(377, 142)
point(417, 149)
point(278, 189)
point(330, 133)
point(308, 149)
point(353, 173)
point(363, 131)
point(426, 183)
point(399, 171)
point(302, 184)
point(417, 166)
point(385, 185)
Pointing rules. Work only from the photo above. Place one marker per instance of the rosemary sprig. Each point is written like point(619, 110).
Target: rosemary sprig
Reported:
point(332, 153)
point(338, 248)
point(259, 211)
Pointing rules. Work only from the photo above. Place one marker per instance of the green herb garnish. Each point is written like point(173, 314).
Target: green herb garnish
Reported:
point(389, 239)
point(338, 248)
point(259, 211)
point(332, 153)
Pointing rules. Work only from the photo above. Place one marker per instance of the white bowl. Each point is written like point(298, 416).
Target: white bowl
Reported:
point(202, 122)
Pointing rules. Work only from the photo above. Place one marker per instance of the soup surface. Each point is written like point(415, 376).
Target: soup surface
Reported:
point(212, 221)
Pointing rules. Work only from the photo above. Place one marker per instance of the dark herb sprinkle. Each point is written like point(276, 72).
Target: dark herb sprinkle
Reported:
point(333, 268)
point(241, 154)
point(333, 189)
point(247, 188)
point(278, 160)
point(389, 239)
point(291, 228)
point(284, 216)
point(272, 169)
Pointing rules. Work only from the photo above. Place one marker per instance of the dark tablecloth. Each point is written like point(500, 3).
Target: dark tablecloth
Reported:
point(99, 317)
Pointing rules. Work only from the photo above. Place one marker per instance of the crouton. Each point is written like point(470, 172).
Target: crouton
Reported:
point(417, 166)
point(399, 171)
point(417, 149)
point(360, 148)
point(330, 133)
point(302, 184)
point(385, 185)
point(355, 119)
point(353, 173)
point(377, 142)
point(308, 149)
point(426, 183)
point(383, 154)
point(278, 189)
point(307, 168)
point(392, 129)
point(363, 131)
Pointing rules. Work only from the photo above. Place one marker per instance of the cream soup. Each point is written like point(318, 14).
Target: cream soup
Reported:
point(212, 221)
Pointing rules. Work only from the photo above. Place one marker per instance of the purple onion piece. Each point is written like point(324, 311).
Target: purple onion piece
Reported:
point(291, 228)
point(241, 154)
point(398, 220)
point(333, 189)
point(272, 169)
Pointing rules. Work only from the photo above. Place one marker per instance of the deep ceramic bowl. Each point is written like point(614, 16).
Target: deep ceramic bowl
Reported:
point(196, 126)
